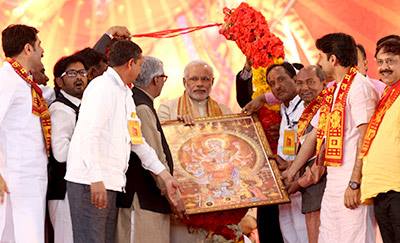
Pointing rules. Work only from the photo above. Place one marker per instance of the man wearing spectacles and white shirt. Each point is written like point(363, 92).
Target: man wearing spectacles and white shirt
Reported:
point(107, 130)
point(71, 77)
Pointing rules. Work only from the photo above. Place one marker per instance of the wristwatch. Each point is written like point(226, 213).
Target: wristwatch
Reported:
point(354, 185)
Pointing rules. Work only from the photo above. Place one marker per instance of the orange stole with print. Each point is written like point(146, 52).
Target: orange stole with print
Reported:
point(185, 107)
point(309, 112)
point(389, 97)
point(39, 105)
point(331, 122)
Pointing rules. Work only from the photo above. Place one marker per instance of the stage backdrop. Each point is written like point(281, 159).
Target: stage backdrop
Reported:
point(68, 25)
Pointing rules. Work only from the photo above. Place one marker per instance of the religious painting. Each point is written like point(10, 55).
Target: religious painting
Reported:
point(222, 163)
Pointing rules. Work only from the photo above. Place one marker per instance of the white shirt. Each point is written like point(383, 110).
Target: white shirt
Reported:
point(21, 138)
point(63, 121)
point(290, 118)
point(23, 161)
point(101, 145)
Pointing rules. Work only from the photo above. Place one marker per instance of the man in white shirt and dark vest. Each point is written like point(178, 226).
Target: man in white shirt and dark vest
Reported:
point(107, 130)
point(71, 77)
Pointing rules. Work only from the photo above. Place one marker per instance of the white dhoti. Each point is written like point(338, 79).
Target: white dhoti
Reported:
point(60, 217)
point(338, 223)
point(23, 212)
point(292, 221)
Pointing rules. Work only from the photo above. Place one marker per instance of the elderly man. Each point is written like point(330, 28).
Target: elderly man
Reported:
point(143, 191)
point(195, 102)
point(310, 81)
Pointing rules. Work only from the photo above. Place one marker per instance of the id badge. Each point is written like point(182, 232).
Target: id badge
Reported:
point(289, 142)
point(135, 132)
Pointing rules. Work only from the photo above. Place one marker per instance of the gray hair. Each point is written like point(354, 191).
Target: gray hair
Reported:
point(151, 67)
point(196, 63)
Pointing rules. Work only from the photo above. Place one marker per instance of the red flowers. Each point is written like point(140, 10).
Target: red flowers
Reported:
point(249, 29)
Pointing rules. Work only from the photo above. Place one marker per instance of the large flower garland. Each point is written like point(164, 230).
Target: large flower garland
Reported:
point(249, 29)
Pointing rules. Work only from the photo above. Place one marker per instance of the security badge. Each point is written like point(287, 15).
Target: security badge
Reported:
point(134, 129)
point(289, 141)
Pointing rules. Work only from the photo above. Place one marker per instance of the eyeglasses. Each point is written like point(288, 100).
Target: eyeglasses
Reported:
point(163, 76)
point(74, 73)
point(388, 61)
point(203, 78)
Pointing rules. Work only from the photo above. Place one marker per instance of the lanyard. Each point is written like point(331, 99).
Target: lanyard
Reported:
point(287, 115)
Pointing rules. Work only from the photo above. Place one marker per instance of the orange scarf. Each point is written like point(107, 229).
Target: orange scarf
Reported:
point(331, 123)
point(185, 107)
point(39, 105)
point(309, 112)
point(389, 97)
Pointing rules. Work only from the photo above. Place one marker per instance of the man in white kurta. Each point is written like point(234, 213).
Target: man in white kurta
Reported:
point(340, 224)
point(23, 159)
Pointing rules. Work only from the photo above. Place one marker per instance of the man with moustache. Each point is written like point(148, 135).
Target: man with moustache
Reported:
point(24, 138)
point(280, 77)
point(380, 183)
point(71, 77)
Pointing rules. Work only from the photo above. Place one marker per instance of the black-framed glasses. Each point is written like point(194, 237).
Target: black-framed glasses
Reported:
point(74, 73)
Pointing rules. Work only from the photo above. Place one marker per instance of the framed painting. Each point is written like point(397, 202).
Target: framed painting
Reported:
point(223, 163)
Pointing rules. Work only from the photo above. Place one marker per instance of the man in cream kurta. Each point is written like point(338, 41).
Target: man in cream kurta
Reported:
point(343, 220)
point(195, 103)
point(23, 158)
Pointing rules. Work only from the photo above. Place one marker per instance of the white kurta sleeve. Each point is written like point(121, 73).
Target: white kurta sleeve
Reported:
point(7, 90)
point(95, 113)
point(148, 157)
point(62, 128)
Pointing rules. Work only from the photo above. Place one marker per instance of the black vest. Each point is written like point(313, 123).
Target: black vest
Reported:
point(56, 186)
point(140, 180)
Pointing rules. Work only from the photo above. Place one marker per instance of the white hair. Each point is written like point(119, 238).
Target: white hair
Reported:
point(196, 63)
point(151, 67)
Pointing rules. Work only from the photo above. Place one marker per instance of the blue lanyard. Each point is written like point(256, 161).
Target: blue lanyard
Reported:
point(287, 115)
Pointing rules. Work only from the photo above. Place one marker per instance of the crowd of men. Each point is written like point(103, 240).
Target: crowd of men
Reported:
point(91, 153)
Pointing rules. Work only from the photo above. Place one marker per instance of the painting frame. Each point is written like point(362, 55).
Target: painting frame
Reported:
point(180, 148)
